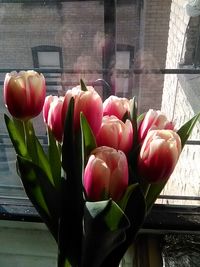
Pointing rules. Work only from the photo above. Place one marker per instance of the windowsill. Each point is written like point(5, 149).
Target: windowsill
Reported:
point(163, 217)
point(19, 209)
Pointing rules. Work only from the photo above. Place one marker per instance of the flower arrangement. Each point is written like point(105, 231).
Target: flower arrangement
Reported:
point(103, 171)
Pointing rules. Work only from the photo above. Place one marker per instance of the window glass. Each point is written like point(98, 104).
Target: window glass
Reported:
point(48, 60)
point(123, 60)
point(144, 48)
point(148, 49)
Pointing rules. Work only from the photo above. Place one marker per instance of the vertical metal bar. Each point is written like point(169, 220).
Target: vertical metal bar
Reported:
point(109, 50)
point(197, 48)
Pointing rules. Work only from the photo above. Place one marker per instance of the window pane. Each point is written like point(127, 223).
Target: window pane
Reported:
point(123, 60)
point(148, 49)
point(144, 48)
point(48, 60)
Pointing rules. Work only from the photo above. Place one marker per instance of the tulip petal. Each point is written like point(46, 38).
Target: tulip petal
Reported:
point(106, 174)
point(159, 155)
point(24, 94)
point(116, 134)
point(96, 178)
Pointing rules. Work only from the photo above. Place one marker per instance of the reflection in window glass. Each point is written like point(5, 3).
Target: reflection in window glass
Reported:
point(181, 250)
point(132, 45)
point(123, 60)
point(48, 60)
point(123, 42)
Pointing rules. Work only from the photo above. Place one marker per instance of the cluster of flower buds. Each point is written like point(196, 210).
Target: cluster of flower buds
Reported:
point(106, 172)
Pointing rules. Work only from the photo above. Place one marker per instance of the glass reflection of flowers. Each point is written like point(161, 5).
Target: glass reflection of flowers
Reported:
point(104, 168)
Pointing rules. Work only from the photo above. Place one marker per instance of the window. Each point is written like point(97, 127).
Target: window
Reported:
point(124, 63)
point(197, 48)
point(191, 45)
point(47, 57)
point(142, 48)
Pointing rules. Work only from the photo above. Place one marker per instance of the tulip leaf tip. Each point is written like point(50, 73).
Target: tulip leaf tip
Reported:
point(83, 86)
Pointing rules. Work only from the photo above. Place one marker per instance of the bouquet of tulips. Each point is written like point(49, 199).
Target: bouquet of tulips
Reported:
point(103, 170)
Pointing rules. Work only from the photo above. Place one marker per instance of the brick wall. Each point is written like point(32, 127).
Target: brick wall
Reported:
point(152, 53)
point(76, 27)
point(181, 99)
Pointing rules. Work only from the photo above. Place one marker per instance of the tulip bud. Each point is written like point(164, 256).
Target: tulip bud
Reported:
point(158, 155)
point(89, 102)
point(115, 133)
point(106, 174)
point(52, 113)
point(24, 94)
point(154, 119)
point(48, 100)
point(116, 106)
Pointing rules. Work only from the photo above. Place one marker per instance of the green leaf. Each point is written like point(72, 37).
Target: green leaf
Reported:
point(68, 139)
point(97, 208)
point(83, 86)
point(133, 114)
point(41, 192)
point(36, 150)
point(140, 118)
point(185, 131)
point(133, 110)
point(155, 189)
point(16, 137)
point(54, 159)
point(43, 162)
point(133, 154)
point(116, 218)
point(134, 207)
point(107, 212)
point(70, 228)
point(31, 185)
point(63, 261)
point(89, 141)
point(135, 211)
point(153, 193)
point(104, 230)
point(124, 201)
point(29, 149)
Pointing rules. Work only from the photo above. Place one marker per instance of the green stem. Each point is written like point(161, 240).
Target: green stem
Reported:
point(145, 188)
point(20, 127)
point(30, 140)
point(62, 261)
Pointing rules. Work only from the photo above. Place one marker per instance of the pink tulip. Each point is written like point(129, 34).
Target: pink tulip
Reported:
point(159, 155)
point(48, 100)
point(52, 113)
point(89, 102)
point(154, 119)
point(106, 174)
point(115, 133)
point(116, 106)
point(24, 94)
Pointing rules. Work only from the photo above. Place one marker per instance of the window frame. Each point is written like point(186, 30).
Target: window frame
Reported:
point(45, 48)
point(22, 210)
